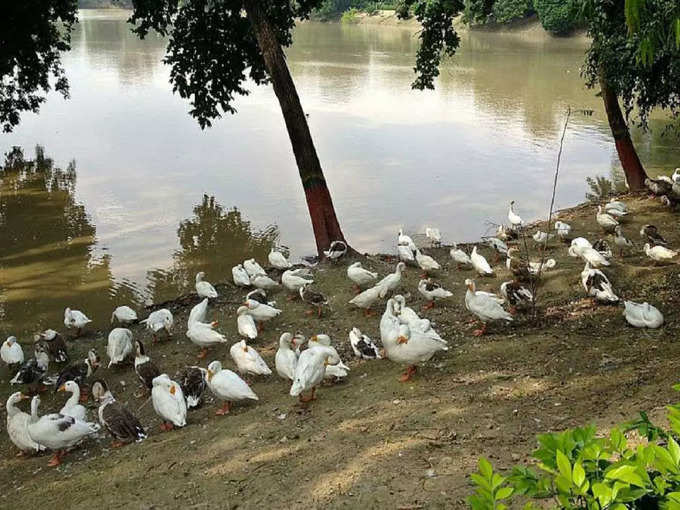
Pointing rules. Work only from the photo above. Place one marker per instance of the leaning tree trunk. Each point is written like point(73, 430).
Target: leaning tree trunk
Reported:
point(319, 202)
point(632, 167)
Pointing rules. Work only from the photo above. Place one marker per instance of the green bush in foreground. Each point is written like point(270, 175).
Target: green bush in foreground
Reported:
point(578, 470)
point(557, 16)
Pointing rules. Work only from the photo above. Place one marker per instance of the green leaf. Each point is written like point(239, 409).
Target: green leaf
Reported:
point(485, 468)
point(503, 493)
point(578, 474)
point(674, 450)
point(603, 493)
point(564, 465)
point(626, 473)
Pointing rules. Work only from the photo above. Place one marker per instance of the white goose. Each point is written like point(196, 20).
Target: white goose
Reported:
point(75, 319)
point(659, 253)
point(513, 217)
point(367, 298)
point(563, 229)
point(642, 315)
point(285, 360)
point(159, 320)
point(606, 221)
point(253, 268)
point(434, 236)
point(391, 282)
point(11, 352)
point(240, 276)
point(408, 316)
point(360, 276)
point(227, 386)
point(263, 282)
point(480, 264)
point(261, 312)
point(198, 313)
point(17, 425)
point(119, 345)
point(246, 323)
point(311, 369)
point(204, 289)
point(72, 407)
point(432, 291)
point(279, 260)
point(459, 256)
point(621, 241)
point(589, 255)
point(168, 402)
point(294, 279)
point(406, 248)
point(485, 306)
point(616, 204)
point(203, 334)
point(426, 263)
point(248, 360)
point(597, 285)
point(124, 315)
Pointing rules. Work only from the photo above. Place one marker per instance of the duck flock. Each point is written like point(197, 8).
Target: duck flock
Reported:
point(303, 363)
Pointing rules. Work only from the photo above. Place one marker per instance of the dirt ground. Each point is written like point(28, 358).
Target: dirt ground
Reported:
point(371, 441)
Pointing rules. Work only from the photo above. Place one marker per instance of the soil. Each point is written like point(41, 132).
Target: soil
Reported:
point(371, 441)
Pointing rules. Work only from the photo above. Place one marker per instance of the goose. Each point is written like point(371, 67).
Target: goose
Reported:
point(659, 253)
point(336, 250)
point(621, 241)
point(642, 315)
point(227, 386)
point(204, 289)
point(33, 370)
point(72, 407)
point(651, 233)
point(498, 246)
point(480, 264)
point(309, 261)
point(602, 247)
point(258, 295)
point(406, 345)
point(168, 402)
point(253, 268)
point(434, 236)
point(367, 298)
point(285, 360)
point(17, 425)
point(432, 291)
point(11, 352)
point(405, 240)
point(58, 432)
point(240, 276)
point(676, 176)
point(124, 315)
point(597, 285)
point(198, 313)
point(193, 383)
point(362, 346)
point(659, 186)
point(615, 212)
point(311, 369)
point(263, 282)
point(589, 255)
point(408, 316)
point(405, 254)
point(316, 299)
point(325, 341)
point(203, 334)
point(459, 256)
point(248, 360)
point(79, 372)
point(160, 320)
point(605, 220)
point(505, 233)
point(56, 347)
point(261, 312)
point(516, 294)
point(75, 319)
point(360, 276)
point(541, 237)
point(123, 426)
point(246, 323)
point(563, 230)
point(615, 204)
point(145, 368)
point(119, 345)
point(484, 306)
point(579, 242)
point(391, 282)
point(426, 263)
point(278, 260)
point(513, 217)
point(293, 280)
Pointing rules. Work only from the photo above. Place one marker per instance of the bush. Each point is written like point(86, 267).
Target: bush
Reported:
point(371, 9)
point(557, 16)
point(508, 10)
point(350, 15)
point(477, 12)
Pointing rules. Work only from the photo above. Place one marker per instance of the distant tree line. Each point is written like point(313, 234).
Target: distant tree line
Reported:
point(332, 9)
point(557, 16)
point(104, 4)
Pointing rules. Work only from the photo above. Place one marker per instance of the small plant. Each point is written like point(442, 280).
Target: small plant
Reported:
point(350, 16)
point(371, 9)
point(600, 188)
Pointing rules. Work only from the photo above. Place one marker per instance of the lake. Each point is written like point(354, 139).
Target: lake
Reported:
point(120, 216)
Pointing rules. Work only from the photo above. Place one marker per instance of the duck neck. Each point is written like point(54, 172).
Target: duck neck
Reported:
point(12, 410)
point(73, 399)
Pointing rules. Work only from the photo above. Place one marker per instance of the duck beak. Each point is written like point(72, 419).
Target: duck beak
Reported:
point(62, 388)
point(245, 349)
point(210, 375)
point(172, 389)
point(24, 396)
point(402, 340)
point(314, 339)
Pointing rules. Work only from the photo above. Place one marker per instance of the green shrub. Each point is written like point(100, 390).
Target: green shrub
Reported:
point(371, 9)
point(477, 12)
point(557, 16)
point(508, 10)
point(351, 15)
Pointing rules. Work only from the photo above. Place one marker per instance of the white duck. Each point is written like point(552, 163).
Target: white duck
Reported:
point(659, 253)
point(124, 315)
point(285, 360)
point(203, 334)
point(597, 285)
point(248, 360)
point(605, 220)
point(204, 289)
point(513, 217)
point(392, 281)
point(426, 263)
point(261, 312)
point(408, 316)
point(579, 242)
point(198, 313)
point(311, 369)
point(294, 279)
point(434, 236)
point(246, 323)
point(168, 402)
point(227, 386)
point(589, 255)
point(432, 291)
point(159, 320)
point(360, 276)
point(459, 256)
point(484, 306)
point(406, 248)
point(17, 425)
point(480, 264)
point(498, 246)
point(11, 352)
point(58, 432)
point(362, 346)
point(616, 204)
point(240, 276)
point(405, 240)
point(563, 229)
point(367, 298)
point(642, 315)
point(72, 407)
point(263, 282)
point(615, 212)
point(621, 241)
point(119, 345)
point(253, 268)
point(541, 237)
point(75, 319)
point(278, 260)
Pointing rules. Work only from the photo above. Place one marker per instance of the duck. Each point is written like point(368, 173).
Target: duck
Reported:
point(621, 241)
point(316, 299)
point(160, 320)
point(406, 254)
point(58, 432)
point(433, 235)
point(484, 306)
point(278, 260)
point(261, 312)
point(406, 345)
point(75, 319)
point(605, 220)
point(615, 204)
point(253, 268)
point(311, 370)
point(240, 276)
point(362, 346)
point(459, 256)
point(56, 346)
point(516, 294)
point(526, 270)
point(204, 335)
point(227, 386)
point(541, 237)
point(659, 253)
point(33, 370)
point(408, 316)
point(204, 289)
point(168, 402)
point(124, 315)
point(293, 280)
point(246, 323)
point(659, 186)
point(480, 264)
point(120, 423)
point(324, 340)
point(579, 242)
point(360, 276)
point(17, 425)
point(198, 313)
point(263, 282)
point(676, 176)
point(602, 247)
point(285, 360)
point(405, 240)
point(514, 218)
point(505, 233)
point(653, 236)
point(642, 315)
point(336, 250)
point(145, 368)
point(79, 372)
point(615, 212)
point(119, 345)
point(248, 360)
point(589, 255)
point(431, 291)
point(367, 299)
point(498, 246)
point(426, 263)
point(258, 295)
point(391, 282)
point(597, 285)
point(563, 230)
point(192, 380)
point(72, 407)
point(11, 352)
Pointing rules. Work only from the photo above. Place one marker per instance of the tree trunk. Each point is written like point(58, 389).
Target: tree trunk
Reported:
point(319, 202)
point(632, 167)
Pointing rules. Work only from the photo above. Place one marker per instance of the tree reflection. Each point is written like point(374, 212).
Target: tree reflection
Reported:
point(214, 240)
